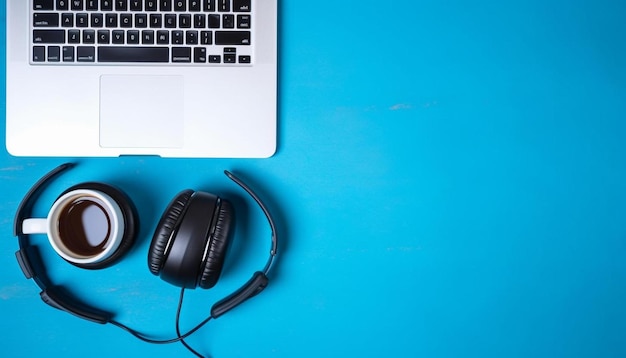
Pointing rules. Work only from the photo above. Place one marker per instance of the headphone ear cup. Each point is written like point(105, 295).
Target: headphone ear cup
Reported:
point(218, 246)
point(169, 222)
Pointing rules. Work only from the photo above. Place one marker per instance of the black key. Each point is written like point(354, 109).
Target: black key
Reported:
point(156, 21)
point(92, 5)
point(177, 37)
point(180, 5)
point(214, 21)
point(68, 53)
point(245, 59)
point(170, 21)
point(73, 36)
point(121, 5)
point(45, 19)
point(54, 54)
point(97, 20)
point(62, 4)
point(228, 21)
point(194, 5)
point(230, 58)
point(118, 37)
point(184, 21)
point(199, 21)
point(86, 54)
point(166, 5)
point(232, 37)
point(152, 5)
point(209, 5)
point(89, 36)
point(215, 59)
point(104, 36)
point(132, 37)
point(110, 20)
point(199, 54)
point(67, 20)
point(43, 5)
point(241, 5)
point(191, 37)
point(48, 36)
point(82, 20)
point(126, 20)
point(133, 54)
point(223, 5)
point(106, 5)
point(77, 4)
point(163, 37)
point(136, 5)
point(147, 37)
point(206, 37)
point(39, 54)
point(181, 54)
point(243, 21)
point(141, 20)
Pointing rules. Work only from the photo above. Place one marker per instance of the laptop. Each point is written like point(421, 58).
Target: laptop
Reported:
point(172, 78)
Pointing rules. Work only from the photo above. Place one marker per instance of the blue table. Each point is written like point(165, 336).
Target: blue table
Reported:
point(450, 182)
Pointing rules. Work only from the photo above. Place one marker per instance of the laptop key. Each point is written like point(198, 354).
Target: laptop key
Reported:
point(106, 5)
point(223, 5)
point(181, 54)
point(48, 36)
point(166, 5)
point(73, 36)
point(68, 54)
point(232, 37)
point(209, 5)
point(151, 5)
point(121, 5)
point(77, 4)
point(85, 54)
point(194, 5)
point(92, 5)
point(199, 54)
point(43, 5)
point(241, 5)
point(54, 54)
point(118, 37)
point(229, 58)
point(45, 19)
point(133, 54)
point(39, 53)
point(62, 5)
point(243, 21)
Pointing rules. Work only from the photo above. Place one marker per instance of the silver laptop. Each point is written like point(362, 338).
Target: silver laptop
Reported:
point(174, 78)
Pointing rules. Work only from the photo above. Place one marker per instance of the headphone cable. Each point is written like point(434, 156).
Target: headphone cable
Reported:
point(182, 340)
point(179, 338)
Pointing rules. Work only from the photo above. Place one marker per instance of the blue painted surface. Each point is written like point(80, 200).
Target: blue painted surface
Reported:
point(450, 182)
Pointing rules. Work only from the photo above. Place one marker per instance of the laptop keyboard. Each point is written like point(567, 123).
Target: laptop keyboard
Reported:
point(175, 32)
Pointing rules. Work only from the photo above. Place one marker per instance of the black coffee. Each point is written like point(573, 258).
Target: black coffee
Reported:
point(84, 227)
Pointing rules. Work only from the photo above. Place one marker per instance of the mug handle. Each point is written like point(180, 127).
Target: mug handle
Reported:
point(35, 226)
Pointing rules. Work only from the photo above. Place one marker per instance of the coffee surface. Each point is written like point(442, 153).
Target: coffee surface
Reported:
point(85, 226)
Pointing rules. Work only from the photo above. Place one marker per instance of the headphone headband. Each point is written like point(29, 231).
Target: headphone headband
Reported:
point(30, 262)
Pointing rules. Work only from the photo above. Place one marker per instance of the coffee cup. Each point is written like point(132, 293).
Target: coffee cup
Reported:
point(84, 226)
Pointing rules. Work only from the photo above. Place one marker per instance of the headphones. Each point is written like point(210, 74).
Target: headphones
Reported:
point(187, 250)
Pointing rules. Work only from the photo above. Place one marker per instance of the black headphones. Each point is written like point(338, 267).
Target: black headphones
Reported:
point(187, 249)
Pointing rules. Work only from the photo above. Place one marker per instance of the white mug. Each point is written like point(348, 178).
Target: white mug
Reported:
point(83, 226)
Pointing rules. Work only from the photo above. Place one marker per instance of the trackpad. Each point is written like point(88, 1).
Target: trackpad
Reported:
point(141, 111)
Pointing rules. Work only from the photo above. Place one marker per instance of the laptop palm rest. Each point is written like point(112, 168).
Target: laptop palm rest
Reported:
point(141, 111)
